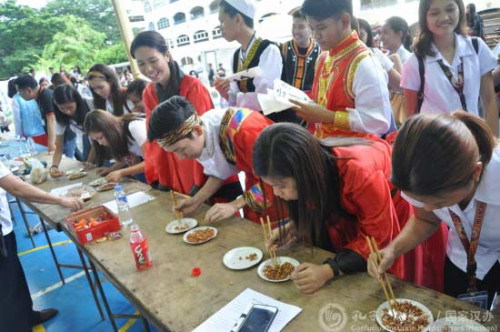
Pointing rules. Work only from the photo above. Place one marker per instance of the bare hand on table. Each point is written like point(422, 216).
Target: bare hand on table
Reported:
point(310, 277)
point(186, 206)
point(220, 211)
point(56, 173)
point(114, 176)
point(388, 258)
point(72, 203)
point(103, 171)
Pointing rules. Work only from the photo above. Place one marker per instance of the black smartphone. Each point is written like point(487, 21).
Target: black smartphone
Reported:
point(259, 318)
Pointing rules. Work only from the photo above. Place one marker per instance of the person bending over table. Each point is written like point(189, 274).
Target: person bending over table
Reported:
point(16, 306)
point(222, 141)
point(338, 191)
point(121, 138)
point(448, 167)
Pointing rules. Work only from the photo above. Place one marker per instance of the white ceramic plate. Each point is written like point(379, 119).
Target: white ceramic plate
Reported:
point(281, 260)
point(457, 324)
point(415, 303)
point(98, 182)
point(238, 258)
point(176, 227)
point(185, 237)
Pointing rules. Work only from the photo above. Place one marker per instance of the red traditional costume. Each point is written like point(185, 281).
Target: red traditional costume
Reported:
point(238, 132)
point(184, 176)
point(366, 195)
point(349, 82)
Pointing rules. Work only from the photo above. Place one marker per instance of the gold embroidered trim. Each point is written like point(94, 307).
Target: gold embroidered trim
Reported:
point(182, 131)
point(341, 120)
point(246, 63)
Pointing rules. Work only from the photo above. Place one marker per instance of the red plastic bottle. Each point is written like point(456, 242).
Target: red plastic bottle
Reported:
point(140, 248)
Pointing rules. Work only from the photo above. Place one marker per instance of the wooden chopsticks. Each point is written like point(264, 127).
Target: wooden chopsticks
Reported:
point(267, 231)
point(384, 281)
point(177, 212)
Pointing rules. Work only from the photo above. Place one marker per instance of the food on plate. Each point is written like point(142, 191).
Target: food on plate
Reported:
point(407, 317)
point(181, 227)
point(76, 175)
point(98, 182)
point(83, 192)
point(201, 235)
point(280, 272)
point(106, 186)
point(251, 257)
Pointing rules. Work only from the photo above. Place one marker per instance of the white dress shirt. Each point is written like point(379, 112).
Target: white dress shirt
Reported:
point(439, 94)
point(372, 112)
point(271, 64)
point(5, 217)
point(212, 158)
point(488, 250)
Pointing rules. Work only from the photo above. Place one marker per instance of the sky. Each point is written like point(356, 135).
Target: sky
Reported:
point(32, 3)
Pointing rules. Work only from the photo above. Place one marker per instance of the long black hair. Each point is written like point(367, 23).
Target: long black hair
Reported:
point(114, 129)
point(118, 96)
point(364, 25)
point(286, 150)
point(398, 24)
point(66, 93)
point(155, 40)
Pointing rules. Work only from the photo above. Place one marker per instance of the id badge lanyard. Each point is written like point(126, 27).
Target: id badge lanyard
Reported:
point(457, 85)
point(470, 246)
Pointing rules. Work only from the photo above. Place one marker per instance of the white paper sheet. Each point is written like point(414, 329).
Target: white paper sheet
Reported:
point(61, 191)
point(134, 200)
point(249, 73)
point(224, 319)
point(277, 99)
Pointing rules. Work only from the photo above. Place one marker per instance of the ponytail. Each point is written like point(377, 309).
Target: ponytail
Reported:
point(483, 135)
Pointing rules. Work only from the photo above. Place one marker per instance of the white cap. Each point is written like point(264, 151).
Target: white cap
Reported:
point(246, 7)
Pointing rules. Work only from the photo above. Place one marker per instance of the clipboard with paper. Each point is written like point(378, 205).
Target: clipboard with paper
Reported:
point(277, 99)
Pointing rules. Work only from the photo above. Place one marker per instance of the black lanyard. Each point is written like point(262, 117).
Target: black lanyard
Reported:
point(458, 86)
point(470, 246)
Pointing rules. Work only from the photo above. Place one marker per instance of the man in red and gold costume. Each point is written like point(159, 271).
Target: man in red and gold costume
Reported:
point(221, 140)
point(349, 90)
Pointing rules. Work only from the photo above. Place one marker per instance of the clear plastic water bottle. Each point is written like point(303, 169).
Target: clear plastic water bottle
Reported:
point(123, 207)
point(31, 146)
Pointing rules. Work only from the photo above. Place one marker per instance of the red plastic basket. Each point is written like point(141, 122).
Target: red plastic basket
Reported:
point(93, 233)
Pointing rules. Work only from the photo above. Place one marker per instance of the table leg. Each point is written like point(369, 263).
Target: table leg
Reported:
point(58, 266)
point(23, 214)
point(89, 280)
point(103, 296)
point(145, 323)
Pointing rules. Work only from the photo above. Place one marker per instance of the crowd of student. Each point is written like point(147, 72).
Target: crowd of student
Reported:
point(335, 169)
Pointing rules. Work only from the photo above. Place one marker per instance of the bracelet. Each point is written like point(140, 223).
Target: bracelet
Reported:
point(53, 166)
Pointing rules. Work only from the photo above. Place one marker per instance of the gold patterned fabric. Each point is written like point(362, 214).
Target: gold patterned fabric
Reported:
point(182, 131)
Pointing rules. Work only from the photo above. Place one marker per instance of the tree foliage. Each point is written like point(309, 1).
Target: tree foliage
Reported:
point(75, 45)
point(64, 32)
point(113, 54)
point(98, 13)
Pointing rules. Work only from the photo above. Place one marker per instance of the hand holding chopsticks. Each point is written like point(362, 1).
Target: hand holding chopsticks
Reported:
point(177, 212)
point(384, 280)
point(267, 231)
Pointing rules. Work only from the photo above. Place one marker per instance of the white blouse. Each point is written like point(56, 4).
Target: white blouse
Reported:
point(439, 94)
point(212, 158)
point(488, 251)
